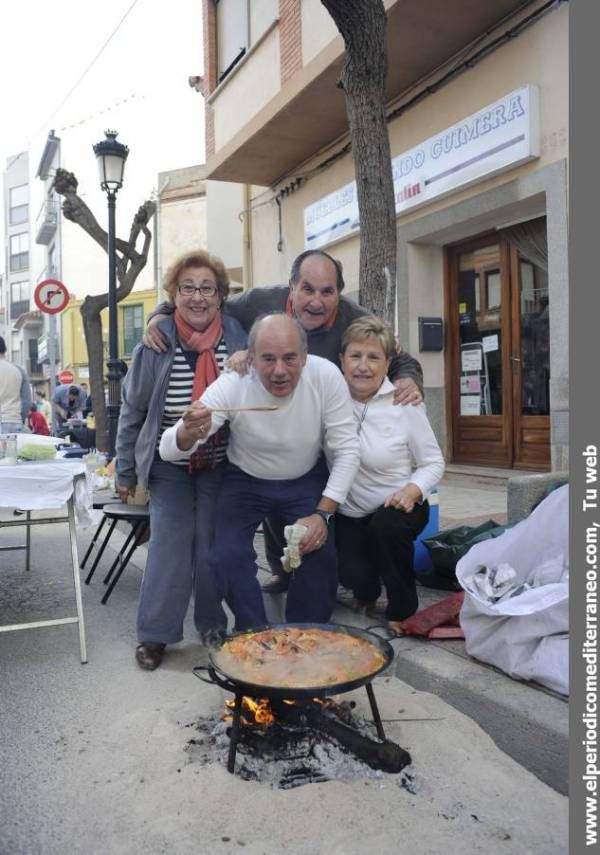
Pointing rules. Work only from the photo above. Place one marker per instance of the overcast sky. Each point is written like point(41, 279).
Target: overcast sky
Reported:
point(138, 86)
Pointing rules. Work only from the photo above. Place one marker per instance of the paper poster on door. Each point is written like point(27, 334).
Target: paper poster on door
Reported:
point(470, 405)
point(490, 342)
point(471, 360)
point(470, 384)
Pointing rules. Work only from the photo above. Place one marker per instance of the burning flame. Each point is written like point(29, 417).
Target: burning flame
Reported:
point(260, 711)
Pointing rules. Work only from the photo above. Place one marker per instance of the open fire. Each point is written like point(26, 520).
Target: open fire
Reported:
point(289, 743)
point(260, 711)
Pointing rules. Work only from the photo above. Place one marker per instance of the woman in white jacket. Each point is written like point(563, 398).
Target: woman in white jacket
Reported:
point(386, 508)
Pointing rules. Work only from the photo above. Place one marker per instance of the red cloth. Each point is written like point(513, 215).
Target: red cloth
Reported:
point(37, 424)
point(444, 613)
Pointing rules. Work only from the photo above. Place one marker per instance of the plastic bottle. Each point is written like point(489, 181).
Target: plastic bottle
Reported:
point(11, 449)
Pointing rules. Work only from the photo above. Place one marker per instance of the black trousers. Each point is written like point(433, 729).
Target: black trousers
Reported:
point(379, 549)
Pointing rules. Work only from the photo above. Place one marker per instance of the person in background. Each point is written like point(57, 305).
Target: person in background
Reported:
point(88, 408)
point(43, 406)
point(314, 297)
point(36, 422)
point(15, 394)
point(157, 389)
point(69, 402)
point(386, 507)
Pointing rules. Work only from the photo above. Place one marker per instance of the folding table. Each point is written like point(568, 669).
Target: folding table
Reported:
point(47, 485)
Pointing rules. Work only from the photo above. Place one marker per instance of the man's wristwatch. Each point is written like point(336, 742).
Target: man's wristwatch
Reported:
point(325, 515)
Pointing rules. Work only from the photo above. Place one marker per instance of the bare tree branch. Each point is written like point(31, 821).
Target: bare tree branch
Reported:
point(129, 263)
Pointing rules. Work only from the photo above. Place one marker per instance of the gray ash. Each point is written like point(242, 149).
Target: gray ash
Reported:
point(287, 755)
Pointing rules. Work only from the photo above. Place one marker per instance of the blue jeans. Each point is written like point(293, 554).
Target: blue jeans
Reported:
point(182, 514)
point(243, 503)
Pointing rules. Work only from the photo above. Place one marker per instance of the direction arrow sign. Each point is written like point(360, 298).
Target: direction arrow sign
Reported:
point(51, 296)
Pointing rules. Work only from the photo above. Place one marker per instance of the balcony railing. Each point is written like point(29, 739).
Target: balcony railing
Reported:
point(19, 308)
point(35, 369)
point(45, 224)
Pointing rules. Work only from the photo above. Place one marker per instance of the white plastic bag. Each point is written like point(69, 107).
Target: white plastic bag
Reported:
point(524, 635)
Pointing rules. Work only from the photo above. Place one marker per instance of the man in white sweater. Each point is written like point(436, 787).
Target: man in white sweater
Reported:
point(276, 465)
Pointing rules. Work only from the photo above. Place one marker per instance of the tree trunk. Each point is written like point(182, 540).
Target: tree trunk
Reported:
point(362, 24)
point(130, 263)
point(92, 328)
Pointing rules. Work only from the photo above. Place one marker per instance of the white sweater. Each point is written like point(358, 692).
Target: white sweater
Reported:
point(11, 380)
point(389, 435)
point(284, 443)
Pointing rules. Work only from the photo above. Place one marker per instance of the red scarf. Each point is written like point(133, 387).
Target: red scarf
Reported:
point(289, 310)
point(204, 344)
point(207, 371)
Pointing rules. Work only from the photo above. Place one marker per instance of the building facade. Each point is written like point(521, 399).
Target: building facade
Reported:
point(20, 322)
point(132, 313)
point(478, 124)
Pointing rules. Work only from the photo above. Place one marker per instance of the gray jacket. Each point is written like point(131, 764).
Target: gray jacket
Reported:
point(144, 392)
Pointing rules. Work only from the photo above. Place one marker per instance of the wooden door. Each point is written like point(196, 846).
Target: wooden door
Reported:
point(479, 350)
point(498, 356)
point(530, 362)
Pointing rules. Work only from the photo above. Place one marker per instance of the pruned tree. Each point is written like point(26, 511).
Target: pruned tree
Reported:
point(130, 263)
point(363, 25)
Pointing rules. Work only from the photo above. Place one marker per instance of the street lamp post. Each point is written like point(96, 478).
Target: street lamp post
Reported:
point(111, 156)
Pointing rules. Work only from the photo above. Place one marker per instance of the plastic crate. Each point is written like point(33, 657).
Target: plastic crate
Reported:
point(423, 562)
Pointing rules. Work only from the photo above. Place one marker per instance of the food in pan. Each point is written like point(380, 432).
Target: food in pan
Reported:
point(297, 658)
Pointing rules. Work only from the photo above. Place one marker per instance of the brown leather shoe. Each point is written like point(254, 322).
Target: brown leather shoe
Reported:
point(149, 655)
point(276, 585)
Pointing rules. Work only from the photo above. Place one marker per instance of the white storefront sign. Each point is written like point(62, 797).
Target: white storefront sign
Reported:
point(499, 137)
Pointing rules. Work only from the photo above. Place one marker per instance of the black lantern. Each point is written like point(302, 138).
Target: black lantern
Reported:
point(111, 156)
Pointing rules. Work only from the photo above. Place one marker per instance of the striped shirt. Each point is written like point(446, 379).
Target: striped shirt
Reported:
point(179, 393)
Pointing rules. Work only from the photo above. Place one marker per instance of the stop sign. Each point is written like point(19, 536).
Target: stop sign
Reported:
point(66, 377)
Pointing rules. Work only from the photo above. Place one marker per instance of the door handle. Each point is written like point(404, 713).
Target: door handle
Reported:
point(515, 358)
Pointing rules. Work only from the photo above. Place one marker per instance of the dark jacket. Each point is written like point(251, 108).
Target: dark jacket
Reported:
point(144, 392)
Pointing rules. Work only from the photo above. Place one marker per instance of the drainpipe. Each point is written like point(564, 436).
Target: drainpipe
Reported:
point(157, 242)
point(247, 238)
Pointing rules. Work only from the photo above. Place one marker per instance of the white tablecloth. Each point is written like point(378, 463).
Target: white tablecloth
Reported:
point(45, 485)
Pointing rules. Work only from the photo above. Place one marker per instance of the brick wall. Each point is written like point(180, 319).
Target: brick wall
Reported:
point(209, 16)
point(290, 38)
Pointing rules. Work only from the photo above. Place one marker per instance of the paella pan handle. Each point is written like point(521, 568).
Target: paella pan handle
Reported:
point(214, 678)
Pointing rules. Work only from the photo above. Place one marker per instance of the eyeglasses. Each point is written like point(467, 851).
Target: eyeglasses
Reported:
point(206, 289)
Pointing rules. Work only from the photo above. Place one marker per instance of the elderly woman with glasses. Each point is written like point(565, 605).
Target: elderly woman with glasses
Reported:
point(157, 389)
point(386, 508)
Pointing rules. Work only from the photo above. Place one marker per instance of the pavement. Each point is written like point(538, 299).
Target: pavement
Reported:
point(93, 757)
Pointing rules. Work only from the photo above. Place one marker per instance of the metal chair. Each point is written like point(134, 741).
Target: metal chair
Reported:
point(99, 501)
point(138, 516)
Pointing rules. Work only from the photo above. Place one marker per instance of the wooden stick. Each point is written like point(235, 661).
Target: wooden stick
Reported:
point(267, 408)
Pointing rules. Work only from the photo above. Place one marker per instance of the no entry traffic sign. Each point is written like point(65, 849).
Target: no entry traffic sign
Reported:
point(66, 377)
point(51, 296)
